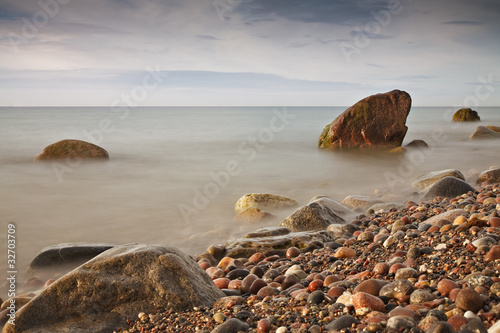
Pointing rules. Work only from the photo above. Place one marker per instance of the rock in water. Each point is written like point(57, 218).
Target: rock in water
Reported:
point(74, 149)
point(432, 177)
point(317, 215)
point(489, 176)
point(263, 201)
point(447, 187)
point(377, 121)
point(466, 114)
point(483, 132)
point(117, 284)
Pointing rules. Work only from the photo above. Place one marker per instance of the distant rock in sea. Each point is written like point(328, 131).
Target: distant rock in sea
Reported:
point(263, 201)
point(377, 121)
point(466, 114)
point(74, 149)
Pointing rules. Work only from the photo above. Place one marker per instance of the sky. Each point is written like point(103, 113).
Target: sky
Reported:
point(248, 52)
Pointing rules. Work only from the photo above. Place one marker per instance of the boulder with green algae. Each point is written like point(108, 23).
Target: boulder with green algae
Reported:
point(377, 121)
point(73, 149)
point(466, 114)
point(116, 285)
point(263, 201)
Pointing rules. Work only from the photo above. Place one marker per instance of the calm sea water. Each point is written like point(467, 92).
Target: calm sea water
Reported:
point(175, 174)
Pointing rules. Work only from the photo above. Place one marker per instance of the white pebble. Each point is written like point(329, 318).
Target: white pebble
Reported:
point(282, 329)
point(471, 315)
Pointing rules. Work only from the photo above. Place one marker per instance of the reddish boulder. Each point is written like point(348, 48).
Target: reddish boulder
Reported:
point(377, 121)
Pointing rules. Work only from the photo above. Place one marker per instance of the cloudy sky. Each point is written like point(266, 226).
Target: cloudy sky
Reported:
point(247, 52)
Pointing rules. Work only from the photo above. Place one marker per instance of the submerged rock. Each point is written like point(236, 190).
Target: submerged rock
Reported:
point(466, 114)
point(74, 149)
point(114, 286)
point(447, 187)
point(483, 132)
point(317, 215)
point(252, 214)
point(377, 121)
point(417, 144)
point(432, 177)
point(360, 202)
point(263, 201)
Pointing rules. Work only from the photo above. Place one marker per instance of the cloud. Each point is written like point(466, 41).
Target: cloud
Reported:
point(207, 37)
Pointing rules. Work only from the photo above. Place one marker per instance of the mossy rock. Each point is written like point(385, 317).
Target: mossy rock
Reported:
point(73, 149)
point(466, 114)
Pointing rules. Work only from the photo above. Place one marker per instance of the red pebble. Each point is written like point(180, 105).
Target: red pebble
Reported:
point(222, 283)
point(315, 285)
point(292, 252)
point(257, 257)
point(264, 325)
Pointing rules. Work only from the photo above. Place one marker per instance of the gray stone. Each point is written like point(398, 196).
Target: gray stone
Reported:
point(484, 241)
point(231, 326)
point(476, 326)
point(341, 322)
point(479, 280)
point(117, 284)
point(417, 144)
point(360, 202)
point(406, 273)
point(397, 289)
point(441, 327)
point(420, 296)
point(450, 215)
point(432, 177)
point(317, 215)
point(447, 187)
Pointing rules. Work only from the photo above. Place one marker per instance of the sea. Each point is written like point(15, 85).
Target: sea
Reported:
point(175, 173)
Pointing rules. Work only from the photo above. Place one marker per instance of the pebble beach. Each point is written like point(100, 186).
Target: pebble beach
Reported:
point(431, 266)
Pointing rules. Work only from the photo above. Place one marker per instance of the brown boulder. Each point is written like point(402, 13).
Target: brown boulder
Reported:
point(466, 114)
point(73, 149)
point(377, 121)
point(489, 176)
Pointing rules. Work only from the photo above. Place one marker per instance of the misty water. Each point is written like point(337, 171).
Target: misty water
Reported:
point(174, 174)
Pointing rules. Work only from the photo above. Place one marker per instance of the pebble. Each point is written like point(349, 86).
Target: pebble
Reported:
point(363, 300)
point(445, 286)
point(469, 300)
point(400, 323)
point(421, 296)
point(345, 252)
point(263, 326)
point(341, 323)
point(441, 327)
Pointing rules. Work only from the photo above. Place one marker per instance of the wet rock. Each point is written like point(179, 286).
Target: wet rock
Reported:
point(231, 325)
point(417, 144)
point(447, 187)
point(360, 202)
point(425, 181)
point(316, 297)
point(345, 252)
point(341, 323)
point(469, 300)
point(101, 294)
point(263, 201)
point(73, 150)
point(483, 132)
point(317, 215)
point(377, 121)
point(275, 241)
point(450, 215)
point(465, 114)
point(489, 177)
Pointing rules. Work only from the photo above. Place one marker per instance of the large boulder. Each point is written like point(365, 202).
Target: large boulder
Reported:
point(466, 114)
point(489, 177)
point(483, 132)
point(360, 203)
point(432, 177)
point(263, 201)
point(74, 149)
point(447, 187)
point(318, 215)
point(377, 121)
point(117, 284)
